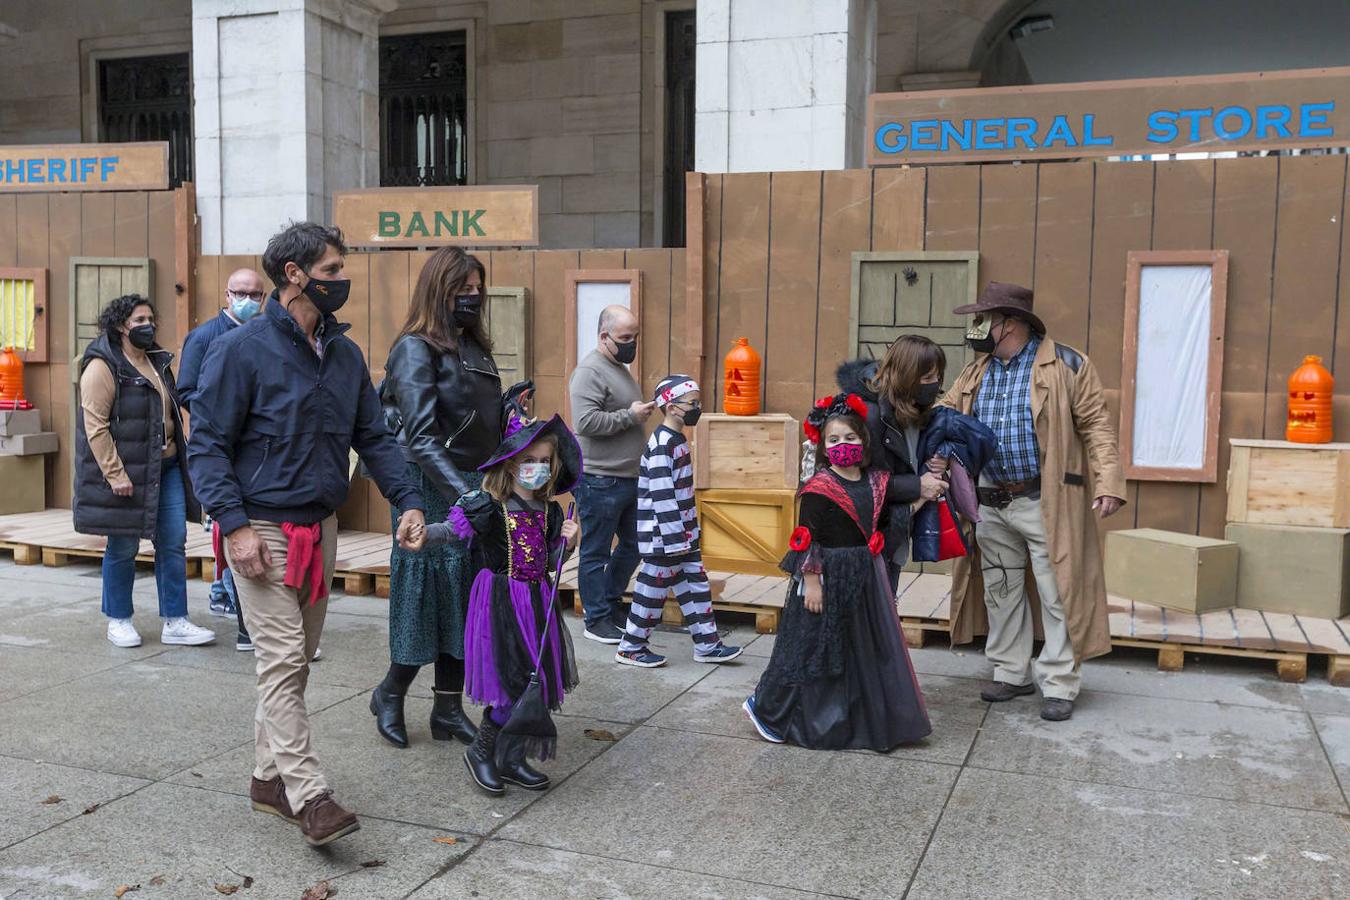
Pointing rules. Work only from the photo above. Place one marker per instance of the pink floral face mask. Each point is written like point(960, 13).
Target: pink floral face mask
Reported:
point(844, 456)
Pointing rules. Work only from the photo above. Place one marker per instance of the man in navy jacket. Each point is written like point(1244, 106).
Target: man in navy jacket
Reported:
point(282, 401)
point(244, 296)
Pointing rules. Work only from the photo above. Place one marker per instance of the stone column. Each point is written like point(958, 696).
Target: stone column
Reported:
point(783, 84)
point(286, 111)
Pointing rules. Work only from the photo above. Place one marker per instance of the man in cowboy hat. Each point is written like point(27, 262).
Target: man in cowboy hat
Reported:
point(1056, 463)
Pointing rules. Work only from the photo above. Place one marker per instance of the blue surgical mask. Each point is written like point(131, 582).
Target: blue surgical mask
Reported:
point(533, 475)
point(244, 307)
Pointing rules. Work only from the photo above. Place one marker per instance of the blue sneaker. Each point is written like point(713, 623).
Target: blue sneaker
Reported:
point(719, 654)
point(643, 659)
point(222, 604)
point(764, 731)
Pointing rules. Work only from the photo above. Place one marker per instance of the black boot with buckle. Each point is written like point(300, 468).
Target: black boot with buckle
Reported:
point(387, 708)
point(479, 758)
point(448, 719)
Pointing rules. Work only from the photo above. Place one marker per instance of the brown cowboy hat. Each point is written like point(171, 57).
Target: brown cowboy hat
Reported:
point(1010, 299)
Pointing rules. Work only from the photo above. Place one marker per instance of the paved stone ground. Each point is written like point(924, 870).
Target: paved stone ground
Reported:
point(1215, 782)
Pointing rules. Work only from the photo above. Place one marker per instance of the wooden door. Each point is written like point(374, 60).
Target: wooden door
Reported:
point(506, 317)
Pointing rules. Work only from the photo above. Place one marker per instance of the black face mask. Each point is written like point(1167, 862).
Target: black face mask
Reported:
point(691, 416)
point(142, 336)
point(928, 394)
point(468, 309)
point(985, 344)
point(625, 351)
point(328, 296)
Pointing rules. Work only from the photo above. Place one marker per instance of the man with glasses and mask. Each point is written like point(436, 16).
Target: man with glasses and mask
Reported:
point(1057, 462)
point(608, 417)
point(244, 296)
point(283, 399)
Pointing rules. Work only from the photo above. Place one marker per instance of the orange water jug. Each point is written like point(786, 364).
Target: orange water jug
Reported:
point(11, 380)
point(740, 384)
point(1310, 389)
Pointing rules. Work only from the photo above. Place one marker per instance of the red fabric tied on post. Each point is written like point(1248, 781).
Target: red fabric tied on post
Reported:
point(304, 559)
point(951, 543)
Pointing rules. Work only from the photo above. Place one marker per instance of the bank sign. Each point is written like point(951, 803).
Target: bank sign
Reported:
point(1256, 111)
point(85, 167)
point(479, 215)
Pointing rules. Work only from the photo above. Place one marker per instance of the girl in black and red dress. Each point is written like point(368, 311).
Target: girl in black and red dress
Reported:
point(840, 675)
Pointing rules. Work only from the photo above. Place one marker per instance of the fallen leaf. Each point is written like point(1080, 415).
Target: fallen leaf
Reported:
point(227, 888)
point(446, 840)
point(320, 891)
point(52, 800)
point(90, 809)
point(248, 882)
point(600, 734)
point(372, 864)
point(157, 881)
point(123, 889)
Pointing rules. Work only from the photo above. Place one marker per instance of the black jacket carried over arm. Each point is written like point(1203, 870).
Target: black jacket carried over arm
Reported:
point(274, 423)
point(446, 407)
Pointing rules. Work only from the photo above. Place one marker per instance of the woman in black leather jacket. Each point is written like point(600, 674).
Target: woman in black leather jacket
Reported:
point(900, 390)
point(443, 399)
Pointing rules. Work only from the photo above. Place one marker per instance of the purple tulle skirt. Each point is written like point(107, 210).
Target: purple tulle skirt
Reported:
point(502, 637)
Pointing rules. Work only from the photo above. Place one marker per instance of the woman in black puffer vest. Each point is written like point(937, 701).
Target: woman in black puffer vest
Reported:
point(131, 469)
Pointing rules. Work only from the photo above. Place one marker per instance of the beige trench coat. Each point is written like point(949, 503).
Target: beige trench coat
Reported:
point(1079, 462)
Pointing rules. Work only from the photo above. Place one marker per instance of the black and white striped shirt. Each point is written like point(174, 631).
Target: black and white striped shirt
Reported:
point(667, 516)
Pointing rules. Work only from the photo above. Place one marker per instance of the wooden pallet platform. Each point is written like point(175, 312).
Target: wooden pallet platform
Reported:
point(49, 538)
point(760, 596)
point(924, 602)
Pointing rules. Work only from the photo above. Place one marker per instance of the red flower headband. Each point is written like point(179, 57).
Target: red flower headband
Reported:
point(827, 408)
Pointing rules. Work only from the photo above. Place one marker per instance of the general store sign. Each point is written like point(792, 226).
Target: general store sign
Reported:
point(1256, 111)
point(85, 167)
point(423, 217)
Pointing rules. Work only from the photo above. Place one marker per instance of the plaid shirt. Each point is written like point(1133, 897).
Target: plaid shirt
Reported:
point(1004, 404)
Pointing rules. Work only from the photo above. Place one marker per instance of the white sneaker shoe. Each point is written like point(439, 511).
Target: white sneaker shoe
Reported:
point(179, 630)
point(122, 633)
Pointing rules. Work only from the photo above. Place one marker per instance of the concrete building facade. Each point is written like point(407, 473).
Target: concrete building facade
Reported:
point(601, 103)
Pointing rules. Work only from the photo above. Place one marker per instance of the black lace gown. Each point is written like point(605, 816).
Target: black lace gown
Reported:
point(842, 678)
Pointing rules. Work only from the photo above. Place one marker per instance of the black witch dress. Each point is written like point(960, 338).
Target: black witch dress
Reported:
point(841, 678)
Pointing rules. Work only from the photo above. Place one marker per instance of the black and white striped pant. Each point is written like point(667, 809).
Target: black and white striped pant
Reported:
point(689, 580)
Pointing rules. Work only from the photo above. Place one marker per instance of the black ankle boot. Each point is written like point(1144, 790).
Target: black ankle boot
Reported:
point(448, 719)
point(388, 711)
point(517, 771)
point(479, 756)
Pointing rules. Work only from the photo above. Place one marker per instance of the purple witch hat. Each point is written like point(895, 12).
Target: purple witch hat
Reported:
point(520, 435)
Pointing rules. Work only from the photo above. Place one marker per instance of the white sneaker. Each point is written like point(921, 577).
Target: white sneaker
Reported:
point(318, 654)
point(179, 630)
point(121, 633)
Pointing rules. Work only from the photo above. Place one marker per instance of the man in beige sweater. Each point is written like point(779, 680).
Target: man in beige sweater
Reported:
point(608, 414)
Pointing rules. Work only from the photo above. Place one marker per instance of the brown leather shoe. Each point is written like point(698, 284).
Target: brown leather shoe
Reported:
point(270, 797)
point(998, 692)
point(323, 821)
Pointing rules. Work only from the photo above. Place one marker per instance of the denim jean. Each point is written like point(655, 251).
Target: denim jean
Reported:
point(119, 559)
point(608, 508)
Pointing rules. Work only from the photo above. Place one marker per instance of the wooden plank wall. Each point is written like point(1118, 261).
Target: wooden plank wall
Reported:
point(46, 230)
point(382, 284)
point(777, 249)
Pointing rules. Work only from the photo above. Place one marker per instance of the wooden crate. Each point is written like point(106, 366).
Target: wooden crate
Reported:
point(1291, 569)
point(1282, 483)
point(746, 452)
point(1178, 571)
point(746, 531)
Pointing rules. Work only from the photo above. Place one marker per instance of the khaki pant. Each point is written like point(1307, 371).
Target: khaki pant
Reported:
point(285, 628)
point(1006, 537)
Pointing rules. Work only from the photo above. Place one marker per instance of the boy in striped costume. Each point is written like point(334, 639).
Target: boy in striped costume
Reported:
point(668, 537)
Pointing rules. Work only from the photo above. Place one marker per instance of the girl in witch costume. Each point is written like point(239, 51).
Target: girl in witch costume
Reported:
point(517, 537)
point(840, 675)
